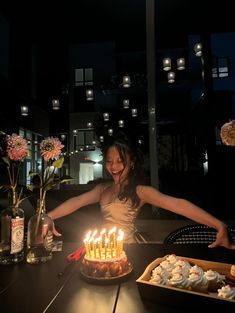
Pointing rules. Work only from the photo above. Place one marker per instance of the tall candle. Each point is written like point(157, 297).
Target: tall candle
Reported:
point(114, 238)
point(105, 247)
point(120, 242)
point(86, 242)
point(102, 234)
point(99, 239)
point(87, 247)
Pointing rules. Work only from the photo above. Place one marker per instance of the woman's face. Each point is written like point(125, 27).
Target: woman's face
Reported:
point(115, 166)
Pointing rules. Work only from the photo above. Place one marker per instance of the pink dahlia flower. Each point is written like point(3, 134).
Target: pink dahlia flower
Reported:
point(17, 147)
point(50, 148)
point(227, 133)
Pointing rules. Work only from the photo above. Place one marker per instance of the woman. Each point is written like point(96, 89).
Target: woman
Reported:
point(122, 198)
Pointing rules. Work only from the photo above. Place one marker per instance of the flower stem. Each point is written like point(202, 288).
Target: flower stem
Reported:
point(40, 209)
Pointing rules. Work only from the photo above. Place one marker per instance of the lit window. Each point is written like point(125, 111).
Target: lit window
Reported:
point(220, 68)
point(83, 76)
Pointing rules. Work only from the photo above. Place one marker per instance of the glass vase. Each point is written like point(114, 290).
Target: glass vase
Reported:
point(12, 235)
point(39, 237)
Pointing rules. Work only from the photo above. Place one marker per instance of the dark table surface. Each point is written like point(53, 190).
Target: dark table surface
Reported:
point(57, 285)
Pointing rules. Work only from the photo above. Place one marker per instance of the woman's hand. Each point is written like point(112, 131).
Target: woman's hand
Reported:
point(222, 239)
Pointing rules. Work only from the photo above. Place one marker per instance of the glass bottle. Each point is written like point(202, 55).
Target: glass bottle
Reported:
point(12, 234)
point(39, 236)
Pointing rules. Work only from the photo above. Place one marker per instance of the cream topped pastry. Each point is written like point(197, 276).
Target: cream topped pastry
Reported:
point(166, 265)
point(179, 270)
point(185, 266)
point(199, 282)
point(227, 292)
point(160, 270)
point(180, 281)
point(196, 269)
point(172, 258)
point(159, 279)
point(214, 278)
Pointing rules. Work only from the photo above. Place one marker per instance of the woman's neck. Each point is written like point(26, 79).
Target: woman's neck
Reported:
point(119, 186)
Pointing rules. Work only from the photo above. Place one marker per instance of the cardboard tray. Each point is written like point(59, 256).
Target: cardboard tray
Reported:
point(176, 296)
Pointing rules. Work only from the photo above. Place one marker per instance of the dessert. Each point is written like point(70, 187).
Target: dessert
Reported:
point(198, 282)
point(105, 257)
point(215, 280)
point(179, 269)
point(172, 258)
point(160, 279)
point(230, 278)
point(227, 292)
point(180, 281)
point(166, 265)
point(196, 269)
point(232, 273)
point(185, 265)
point(160, 270)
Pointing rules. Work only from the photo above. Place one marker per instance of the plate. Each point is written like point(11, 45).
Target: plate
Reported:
point(107, 280)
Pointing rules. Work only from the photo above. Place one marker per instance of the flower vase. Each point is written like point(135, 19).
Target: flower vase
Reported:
point(12, 235)
point(39, 237)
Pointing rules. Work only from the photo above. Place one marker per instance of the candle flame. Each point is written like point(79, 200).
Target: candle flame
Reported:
point(102, 231)
point(94, 233)
point(121, 234)
point(87, 236)
point(112, 230)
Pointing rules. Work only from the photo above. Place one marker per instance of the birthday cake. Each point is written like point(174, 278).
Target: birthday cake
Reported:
point(104, 257)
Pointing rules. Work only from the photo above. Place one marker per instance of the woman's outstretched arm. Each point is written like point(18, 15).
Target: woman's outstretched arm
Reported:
point(187, 209)
point(73, 204)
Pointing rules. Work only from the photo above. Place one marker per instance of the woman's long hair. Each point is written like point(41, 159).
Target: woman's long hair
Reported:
point(135, 177)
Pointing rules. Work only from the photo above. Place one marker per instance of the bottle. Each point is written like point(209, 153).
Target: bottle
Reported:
point(12, 235)
point(39, 236)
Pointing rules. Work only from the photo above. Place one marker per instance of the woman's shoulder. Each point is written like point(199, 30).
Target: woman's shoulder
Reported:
point(104, 185)
point(144, 190)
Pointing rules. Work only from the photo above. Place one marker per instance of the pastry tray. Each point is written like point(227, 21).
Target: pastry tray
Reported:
point(176, 296)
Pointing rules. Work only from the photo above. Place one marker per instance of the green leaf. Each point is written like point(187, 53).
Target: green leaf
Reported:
point(30, 187)
point(58, 163)
point(33, 174)
point(66, 180)
point(6, 160)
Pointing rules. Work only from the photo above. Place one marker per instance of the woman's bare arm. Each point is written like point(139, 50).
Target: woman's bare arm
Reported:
point(71, 205)
point(187, 209)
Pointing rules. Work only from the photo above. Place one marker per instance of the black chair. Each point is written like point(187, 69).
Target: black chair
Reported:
point(195, 234)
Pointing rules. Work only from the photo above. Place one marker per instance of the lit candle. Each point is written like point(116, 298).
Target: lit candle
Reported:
point(91, 246)
point(99, 239)
point(114, 238)
point(95, 246)
point(110, 237)
point(86, 247)
point(86, 242)
point(102, 234)
point(105, 247)
point(120, 242)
